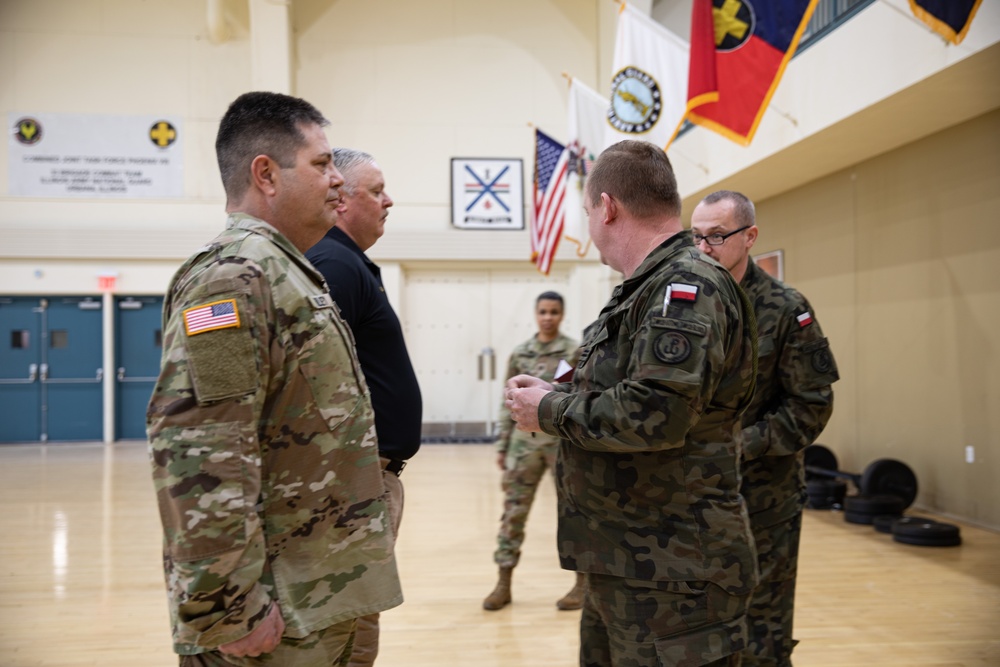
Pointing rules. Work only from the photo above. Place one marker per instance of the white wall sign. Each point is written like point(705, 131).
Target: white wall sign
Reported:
point(97, 156)
point(487, 193)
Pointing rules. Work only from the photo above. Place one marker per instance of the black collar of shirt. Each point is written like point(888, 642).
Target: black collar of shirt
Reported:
point(340, 236)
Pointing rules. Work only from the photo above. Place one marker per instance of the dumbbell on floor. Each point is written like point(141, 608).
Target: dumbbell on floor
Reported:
point(882, 477)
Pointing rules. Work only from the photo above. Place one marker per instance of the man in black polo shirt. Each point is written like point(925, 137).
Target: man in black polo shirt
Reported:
point(356, 285)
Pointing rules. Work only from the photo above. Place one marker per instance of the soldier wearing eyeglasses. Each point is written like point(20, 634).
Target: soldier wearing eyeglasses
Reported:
point(792, 405)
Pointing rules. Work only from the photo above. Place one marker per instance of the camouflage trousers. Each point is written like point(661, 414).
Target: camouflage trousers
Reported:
point(523, 469)
point(769, 619)
point(367, 632)
point(634, 623)
point(329, 647)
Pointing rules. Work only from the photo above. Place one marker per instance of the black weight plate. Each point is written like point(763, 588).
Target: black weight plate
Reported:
point(883, 504)
point(818, 456)
point(883, 522)
point(927, 534)
point(819, 503)
point(865, 518)
point(892, 477)
point(910, 520)
point(824, 493)
point(925, 529)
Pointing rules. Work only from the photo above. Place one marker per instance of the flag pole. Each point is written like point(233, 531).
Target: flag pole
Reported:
point(791, 119)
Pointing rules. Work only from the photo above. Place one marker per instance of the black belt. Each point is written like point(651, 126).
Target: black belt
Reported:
point(395, 466)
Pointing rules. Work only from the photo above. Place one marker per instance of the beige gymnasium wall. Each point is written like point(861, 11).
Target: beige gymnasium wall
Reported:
point(900, 257)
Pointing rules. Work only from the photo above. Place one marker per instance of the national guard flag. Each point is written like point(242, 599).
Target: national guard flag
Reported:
point(649, 84)
point(738, 58)
point(949, 18)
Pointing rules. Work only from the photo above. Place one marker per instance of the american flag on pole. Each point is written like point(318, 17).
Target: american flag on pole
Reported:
point(549, 212)
point(211, 316)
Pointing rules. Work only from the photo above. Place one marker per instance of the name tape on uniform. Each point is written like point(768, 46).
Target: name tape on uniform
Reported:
point(321, 301)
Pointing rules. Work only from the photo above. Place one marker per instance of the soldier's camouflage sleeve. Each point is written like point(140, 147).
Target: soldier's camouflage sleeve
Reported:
point(539, 360)
point(206, 467)
point(656, 372)
point(794, 398)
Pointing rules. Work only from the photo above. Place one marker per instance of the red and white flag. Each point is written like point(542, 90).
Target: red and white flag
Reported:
point(805, 319)
point(682, 292)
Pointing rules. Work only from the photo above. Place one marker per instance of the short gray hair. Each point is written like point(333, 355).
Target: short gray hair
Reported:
point(347, 160)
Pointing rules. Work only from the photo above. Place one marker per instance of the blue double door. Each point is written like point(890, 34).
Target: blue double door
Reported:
point(52, 383)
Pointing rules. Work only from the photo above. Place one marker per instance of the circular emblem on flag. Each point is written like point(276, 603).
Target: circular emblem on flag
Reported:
point(672, 347)
point(28, 131)
point(734, 23)
point(162, 134)
point(635, 101)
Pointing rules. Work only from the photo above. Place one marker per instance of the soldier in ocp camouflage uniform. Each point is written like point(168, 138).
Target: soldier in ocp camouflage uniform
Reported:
point(523, 458)
point(792, 405)
point(261, 432)
point(648, 472)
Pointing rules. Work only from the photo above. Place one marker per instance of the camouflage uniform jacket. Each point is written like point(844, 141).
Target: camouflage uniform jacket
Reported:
point(263, 448)
point(648, 474)
point(793, 401)
point(532, 357)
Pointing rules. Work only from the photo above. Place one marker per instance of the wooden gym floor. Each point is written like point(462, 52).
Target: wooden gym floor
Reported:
point(80, 577)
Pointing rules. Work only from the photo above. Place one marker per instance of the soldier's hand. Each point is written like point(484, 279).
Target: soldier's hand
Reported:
point(264, 638)
point(501, 460)
point(523, 405)
point(524, 381)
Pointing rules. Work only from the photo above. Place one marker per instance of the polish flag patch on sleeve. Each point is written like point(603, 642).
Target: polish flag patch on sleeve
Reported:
point(211, 316)
point(682, 292)
point(805, 319)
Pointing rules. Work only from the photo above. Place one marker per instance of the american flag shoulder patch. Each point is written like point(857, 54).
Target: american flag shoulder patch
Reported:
point(211, 316)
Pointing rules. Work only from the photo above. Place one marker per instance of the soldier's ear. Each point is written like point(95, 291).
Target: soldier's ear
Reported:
point(751, 236)
point(264, 174)
point(610, 205)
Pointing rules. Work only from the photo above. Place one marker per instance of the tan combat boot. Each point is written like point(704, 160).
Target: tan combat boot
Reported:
point(500, 597)
point(573, 599)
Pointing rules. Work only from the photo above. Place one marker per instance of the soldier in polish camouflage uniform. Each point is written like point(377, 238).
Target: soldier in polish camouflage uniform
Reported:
point(648, 472)
point(791, 407)
point(261, 433)
point(523, 458)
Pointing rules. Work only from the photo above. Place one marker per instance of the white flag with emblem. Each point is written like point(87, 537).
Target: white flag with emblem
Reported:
point(587, 113)
point(649, 81)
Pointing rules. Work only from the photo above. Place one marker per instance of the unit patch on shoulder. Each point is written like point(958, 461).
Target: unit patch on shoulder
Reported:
point(805, 319)
point(672, 347)
point(211, 316)
point(822, 360)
